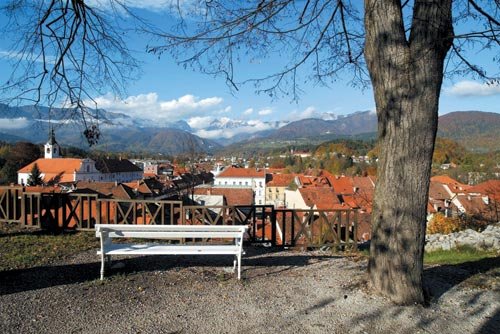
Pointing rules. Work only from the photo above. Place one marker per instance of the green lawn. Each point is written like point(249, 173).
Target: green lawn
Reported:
point(457, 256)
point(31, 249)
point(454, 256)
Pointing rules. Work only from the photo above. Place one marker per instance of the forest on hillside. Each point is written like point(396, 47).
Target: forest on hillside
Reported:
point(359, 157)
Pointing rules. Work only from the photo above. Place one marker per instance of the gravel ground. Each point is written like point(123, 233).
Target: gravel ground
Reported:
point(296, 292)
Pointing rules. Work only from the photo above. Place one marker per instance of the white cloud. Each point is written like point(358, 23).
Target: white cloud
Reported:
point(150, 107)
point(226, 110)
point(186, 7)
point(26, 56)
point(199, 122)
point(264, 112)
point(14, 123)
point(141, 4)
point(190, 102)
point(248, 111)
point(309, 112)
point(473, 88)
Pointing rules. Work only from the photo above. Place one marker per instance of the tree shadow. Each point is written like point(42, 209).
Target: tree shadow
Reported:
point(441, 278)
point(492, 325)
point(13, 281)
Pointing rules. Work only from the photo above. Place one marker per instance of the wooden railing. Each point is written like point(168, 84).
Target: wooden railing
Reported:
point(317, 228)
point(277, 227)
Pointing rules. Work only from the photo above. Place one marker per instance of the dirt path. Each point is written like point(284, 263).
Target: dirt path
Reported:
point(281, 292)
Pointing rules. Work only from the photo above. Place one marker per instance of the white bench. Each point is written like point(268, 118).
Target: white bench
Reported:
point(170, 232)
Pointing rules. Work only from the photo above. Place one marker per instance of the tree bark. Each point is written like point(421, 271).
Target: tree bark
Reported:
point(406, 74)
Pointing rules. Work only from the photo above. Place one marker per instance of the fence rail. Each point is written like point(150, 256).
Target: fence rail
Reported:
point(277, 227)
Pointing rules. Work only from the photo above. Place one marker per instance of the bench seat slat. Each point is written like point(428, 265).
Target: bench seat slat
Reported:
point(169, 228)
point(172, 234)
point(155, 249)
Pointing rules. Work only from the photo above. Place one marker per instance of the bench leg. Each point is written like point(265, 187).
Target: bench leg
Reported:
point(102, 266)
point(235, 262)
point(239, 266)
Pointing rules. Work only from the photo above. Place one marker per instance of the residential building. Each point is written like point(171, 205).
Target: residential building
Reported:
point(276, 184)
point(250, 178)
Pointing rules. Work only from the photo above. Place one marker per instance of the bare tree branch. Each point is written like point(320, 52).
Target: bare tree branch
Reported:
point(67, 53)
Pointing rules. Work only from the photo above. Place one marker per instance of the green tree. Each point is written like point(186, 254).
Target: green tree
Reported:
point(35, 177)
point(19, 155)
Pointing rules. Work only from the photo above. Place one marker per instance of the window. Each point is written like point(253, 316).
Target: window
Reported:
point(246, 183)
point(234, 183)
point(240, 183)
point(260, 183)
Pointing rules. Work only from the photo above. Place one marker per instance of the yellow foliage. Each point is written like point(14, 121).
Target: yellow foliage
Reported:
point(444, 225)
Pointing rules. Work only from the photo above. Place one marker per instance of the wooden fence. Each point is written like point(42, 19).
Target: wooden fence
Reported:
point(277, 227)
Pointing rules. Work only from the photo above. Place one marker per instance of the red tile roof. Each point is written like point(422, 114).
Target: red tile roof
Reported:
point(489, 188)
point(437, 191)
point(454, 185)
point(43, 189)
point(107, 189)
point(279, 180)
point(60, 168)
point(323, 198)
point(314, 181)
point(343, 185)
point(67, 165)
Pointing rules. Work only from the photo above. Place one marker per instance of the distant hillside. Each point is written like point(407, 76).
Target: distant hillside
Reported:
point(156, 140)
point(10, 138)
point(476, 130)
point(118, 131)
point(353, 124)
point(307, 133)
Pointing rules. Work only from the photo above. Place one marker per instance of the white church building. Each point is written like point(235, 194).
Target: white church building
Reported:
point(56, 169)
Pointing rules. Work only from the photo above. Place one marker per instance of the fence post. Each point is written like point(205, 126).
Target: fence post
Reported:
point(273, 227)
point(98, 210)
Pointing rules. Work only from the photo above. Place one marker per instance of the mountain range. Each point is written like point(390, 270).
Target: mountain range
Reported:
point(119, 132)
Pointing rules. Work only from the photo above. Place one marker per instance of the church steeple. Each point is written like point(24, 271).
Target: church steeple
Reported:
point(52, 149)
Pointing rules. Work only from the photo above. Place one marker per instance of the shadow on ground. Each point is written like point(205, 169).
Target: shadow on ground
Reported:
point(13, 281)
point(439, 279)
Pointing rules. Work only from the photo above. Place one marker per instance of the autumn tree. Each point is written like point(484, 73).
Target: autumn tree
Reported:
point(399, 47)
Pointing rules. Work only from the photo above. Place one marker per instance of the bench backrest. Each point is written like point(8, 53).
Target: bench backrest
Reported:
point(169, 231)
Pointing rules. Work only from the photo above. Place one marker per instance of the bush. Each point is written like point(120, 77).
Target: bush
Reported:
point(446, 225)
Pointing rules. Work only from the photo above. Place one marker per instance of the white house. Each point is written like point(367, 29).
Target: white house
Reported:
point(252, 178)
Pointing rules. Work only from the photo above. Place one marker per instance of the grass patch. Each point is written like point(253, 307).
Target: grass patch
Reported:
point(25, 250)
point(453, 256)
point(457, 256)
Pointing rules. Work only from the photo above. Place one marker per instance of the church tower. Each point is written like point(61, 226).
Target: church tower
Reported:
point(52, 149)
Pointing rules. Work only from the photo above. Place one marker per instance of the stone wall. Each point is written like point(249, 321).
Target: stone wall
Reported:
point(489, 239)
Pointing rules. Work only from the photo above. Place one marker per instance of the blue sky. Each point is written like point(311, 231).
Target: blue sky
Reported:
point(168, 92)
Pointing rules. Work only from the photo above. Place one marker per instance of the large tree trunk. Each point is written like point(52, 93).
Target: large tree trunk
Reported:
point(406, 75)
